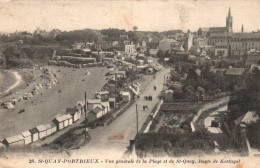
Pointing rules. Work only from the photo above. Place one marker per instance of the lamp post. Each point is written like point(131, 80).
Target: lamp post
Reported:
point(136, 119)
point(85, 109)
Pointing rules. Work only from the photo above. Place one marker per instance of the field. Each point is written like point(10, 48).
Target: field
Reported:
point(43, 107)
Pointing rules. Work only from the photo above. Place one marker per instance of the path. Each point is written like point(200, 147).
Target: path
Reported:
point(113, 140)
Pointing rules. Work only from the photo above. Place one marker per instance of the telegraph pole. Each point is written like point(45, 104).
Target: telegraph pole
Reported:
point(85, 109)
point(136, 120)
point(163, 81)
point(115, 88)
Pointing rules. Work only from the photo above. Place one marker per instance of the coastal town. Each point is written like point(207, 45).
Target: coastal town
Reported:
point(141, 93)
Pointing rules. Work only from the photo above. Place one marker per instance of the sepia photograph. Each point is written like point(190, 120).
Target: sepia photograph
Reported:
point(133, 83)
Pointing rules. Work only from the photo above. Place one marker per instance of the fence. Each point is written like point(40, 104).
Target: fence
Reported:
point(146, 127)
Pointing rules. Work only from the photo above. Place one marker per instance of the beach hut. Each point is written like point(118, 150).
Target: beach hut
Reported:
point(62, 121)
point(27, 137)
point(93, 103)
point(2, 149)
point(53, 127)
point(48, 129)
point(105, 107)
point(126, 96)
point(70, 119)
point(14, 141)
point(42, 131)
point(112, 102)
point(94, 114)
point(74, 112)
point(35, 134)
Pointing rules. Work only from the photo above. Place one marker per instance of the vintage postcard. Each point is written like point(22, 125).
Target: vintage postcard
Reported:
point(133, 83)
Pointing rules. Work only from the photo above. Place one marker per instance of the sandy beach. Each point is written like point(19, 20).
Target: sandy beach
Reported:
point(43, 107)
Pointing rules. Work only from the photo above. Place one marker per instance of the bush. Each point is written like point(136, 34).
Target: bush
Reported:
point(177, 143)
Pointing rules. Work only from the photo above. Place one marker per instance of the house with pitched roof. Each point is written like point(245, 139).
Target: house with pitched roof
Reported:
point(74, 112)
point(242, 122)
point(234, 72)
point(93, 103)
point(95, 113)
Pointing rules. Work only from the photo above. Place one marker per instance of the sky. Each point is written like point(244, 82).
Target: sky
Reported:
point(147, 15)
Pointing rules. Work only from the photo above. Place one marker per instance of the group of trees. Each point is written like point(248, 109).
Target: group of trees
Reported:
point(246, 99)
point(174, 144)
point(200, 80)
point(18, 56)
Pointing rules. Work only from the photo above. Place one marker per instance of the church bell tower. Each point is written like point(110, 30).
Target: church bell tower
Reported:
point(229, 22)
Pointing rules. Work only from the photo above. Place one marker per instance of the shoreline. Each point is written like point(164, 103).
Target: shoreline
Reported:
point(18, 79)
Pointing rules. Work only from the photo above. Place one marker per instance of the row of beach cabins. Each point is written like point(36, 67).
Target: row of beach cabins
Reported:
point(39, 132)
point(96, 109)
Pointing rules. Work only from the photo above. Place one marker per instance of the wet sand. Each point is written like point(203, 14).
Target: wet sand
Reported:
point(9, 80)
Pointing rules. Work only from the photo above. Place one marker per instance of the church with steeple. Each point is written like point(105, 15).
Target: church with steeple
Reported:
point(228, 29)
point(221, 34)
point(235, 45)
point(229, 22)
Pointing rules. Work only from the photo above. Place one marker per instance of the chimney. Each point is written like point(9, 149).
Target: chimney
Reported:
point(242, 29)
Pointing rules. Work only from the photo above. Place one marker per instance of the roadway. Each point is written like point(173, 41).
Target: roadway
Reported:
point(113, 140)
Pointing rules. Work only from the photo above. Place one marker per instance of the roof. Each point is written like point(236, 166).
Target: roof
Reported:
point(246, 35)
point(96, 110)
point(168, 91)
point(52, 124)
point(48, 126)
point(102, 92)
point(41, 128)
point(26, 134)
point(94, 101)
point(217, 29)
point(200, 39)
point(71, 111)
point(33, 130)
point(219, 35)
point(81, 103)
point(235, 71)
point(222, 44)
point(248, 118)
point(164, 40)
point(123, 72)
point(111, 99)
point(125, 93)
point(14, 138)
point(105, 104)
point(63, 117)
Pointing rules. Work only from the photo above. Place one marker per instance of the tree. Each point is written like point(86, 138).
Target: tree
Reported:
point(192, 74)
point(135, 28)
point(199, 32)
